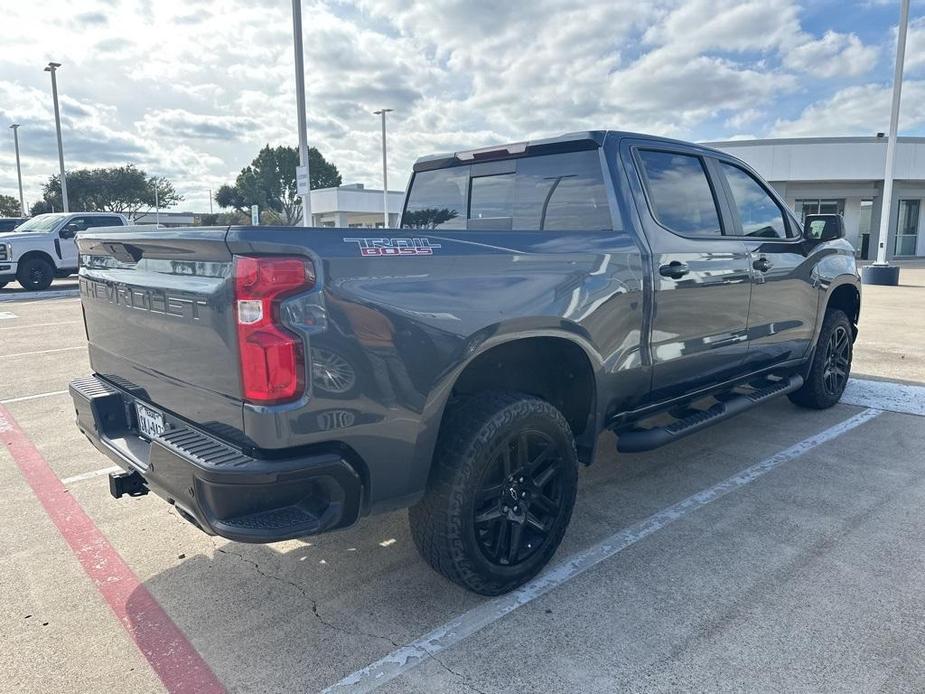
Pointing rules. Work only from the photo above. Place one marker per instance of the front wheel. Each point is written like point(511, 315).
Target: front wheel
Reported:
point(501, 492)
point(35, 274)
point(828, 374)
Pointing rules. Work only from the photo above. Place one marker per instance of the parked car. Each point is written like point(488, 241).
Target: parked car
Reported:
point(43, 248)
point(280, 382)
point(10, 223)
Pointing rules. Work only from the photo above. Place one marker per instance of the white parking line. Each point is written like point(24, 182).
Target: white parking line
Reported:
point(39, 325)
point(410, 656)
point(7, 315)
point(90, 475)
point(885, 395)
point(41, 351)
point(33, 397)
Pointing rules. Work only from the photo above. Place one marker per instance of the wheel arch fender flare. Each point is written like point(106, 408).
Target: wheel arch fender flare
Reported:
point(843, 291)
point(480, 344)
point(35, 253)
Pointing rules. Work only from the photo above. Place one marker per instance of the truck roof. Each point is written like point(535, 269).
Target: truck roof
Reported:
point(568, 142)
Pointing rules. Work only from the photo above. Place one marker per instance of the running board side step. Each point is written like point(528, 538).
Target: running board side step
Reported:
point(638, 440)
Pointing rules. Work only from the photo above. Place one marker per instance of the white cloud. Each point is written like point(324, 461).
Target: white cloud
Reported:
point(915, 45)
point(192, 89)
point(833, 55)
point(857, 110)
point(742, 118)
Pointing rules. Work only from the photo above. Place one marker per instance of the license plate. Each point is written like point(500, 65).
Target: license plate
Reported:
point(150, 421)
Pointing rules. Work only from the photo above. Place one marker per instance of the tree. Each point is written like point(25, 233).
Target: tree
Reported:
point(270, 183)
point(126, 189)
point(40, 207)
point(428, 217)
point(9, 206)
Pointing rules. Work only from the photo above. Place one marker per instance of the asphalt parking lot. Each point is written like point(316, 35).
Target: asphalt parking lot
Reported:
point(781, 551)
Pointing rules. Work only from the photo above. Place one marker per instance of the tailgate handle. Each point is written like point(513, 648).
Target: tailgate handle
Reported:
point(125, 252)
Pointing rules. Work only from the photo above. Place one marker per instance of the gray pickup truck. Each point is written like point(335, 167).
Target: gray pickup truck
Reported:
point(277, 382)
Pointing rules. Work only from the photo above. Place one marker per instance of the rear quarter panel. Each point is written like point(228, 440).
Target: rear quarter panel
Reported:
point(407, 325)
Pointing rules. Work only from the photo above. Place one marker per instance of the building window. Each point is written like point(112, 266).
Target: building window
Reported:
point(864, 224)
point(907, 227)
point(817, 206)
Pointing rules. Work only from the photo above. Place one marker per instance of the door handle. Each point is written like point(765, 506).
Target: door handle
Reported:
point(762, 265)
point(675, 270)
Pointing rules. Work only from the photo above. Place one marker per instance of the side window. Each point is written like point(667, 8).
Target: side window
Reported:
point(491, 202)
point(761, 217)
point(437, 200)
point(69, 230)
point(104, 222)
point(680, 193)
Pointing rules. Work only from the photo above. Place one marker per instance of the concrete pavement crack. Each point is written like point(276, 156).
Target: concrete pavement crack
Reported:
point(352, 632)
point(314, 603)
point(464, 679)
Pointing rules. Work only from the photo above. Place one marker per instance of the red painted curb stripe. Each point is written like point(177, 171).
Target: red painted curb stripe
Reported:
point(171, 655)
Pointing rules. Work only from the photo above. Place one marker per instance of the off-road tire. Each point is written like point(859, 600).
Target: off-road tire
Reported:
point(815, 393)
point(443, 523)
point(35, 274)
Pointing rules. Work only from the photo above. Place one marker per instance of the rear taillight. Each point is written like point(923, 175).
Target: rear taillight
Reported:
point(272, 360)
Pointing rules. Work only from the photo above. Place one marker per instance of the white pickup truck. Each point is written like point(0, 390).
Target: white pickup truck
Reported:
point(43, 248)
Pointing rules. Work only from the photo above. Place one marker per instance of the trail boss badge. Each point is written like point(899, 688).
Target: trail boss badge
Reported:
point(393, 247)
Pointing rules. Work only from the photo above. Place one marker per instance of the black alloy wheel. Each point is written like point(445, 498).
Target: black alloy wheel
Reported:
point(520, 498)
point(837, 361)
point(501, 491)
point(827, 374)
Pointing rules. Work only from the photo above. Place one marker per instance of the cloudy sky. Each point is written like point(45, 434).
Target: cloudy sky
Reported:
point(191, 90)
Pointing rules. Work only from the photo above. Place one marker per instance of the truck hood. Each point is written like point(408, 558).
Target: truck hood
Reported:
point(13, 236)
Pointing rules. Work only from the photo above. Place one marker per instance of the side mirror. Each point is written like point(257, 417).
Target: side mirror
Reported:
point(823, 227)
point(67, 232)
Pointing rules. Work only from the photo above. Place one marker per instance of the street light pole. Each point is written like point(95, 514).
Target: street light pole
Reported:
point(882, 272)
point(52, 67)
point(22, 205)
point(300, 110)
point(385, 171)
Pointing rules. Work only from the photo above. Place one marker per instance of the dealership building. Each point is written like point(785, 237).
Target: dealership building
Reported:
point(844, 175)
point(347, 206)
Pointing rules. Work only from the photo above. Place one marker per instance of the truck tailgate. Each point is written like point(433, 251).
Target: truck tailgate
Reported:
point(158, 310)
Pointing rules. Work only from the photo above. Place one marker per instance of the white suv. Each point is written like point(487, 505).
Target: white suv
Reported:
point(43, 248)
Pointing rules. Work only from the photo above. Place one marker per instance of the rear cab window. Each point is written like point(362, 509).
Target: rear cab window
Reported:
point(104, 221)
point(552, 192)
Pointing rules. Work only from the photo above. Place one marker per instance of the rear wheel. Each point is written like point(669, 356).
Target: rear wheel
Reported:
point(501, 493)
point(831, 365)
point(35, 274)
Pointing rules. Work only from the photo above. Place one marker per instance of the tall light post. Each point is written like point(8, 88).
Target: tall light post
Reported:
point(385, 171)
point(52, 68)
point(22, 206)
point(306, 188)
point(882, 272)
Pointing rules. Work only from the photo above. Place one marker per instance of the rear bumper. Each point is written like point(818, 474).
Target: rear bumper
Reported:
point(214, 485)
